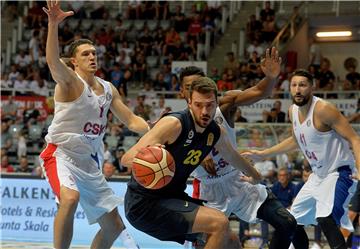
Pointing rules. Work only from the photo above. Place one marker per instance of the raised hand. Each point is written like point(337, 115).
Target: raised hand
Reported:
point(55, 14)
point(270, 65)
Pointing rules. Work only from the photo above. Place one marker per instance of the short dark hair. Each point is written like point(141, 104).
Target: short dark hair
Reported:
point(303, 73)
point(191, 70)
point(203, 85)
point(75, 44)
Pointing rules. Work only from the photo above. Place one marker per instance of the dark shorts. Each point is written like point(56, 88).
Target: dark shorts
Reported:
point(165, 219)
point(355, 200)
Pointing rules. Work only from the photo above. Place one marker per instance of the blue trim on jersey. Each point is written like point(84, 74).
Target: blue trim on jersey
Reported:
point(96, 159)
point(343, 184)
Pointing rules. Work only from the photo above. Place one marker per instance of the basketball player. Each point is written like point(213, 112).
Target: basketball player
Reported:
point(189, 135)
point(323, 135)
point(73, 158)
point(227, 190)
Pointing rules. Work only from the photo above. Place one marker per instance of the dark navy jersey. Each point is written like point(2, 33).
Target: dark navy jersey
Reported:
point(188, 151)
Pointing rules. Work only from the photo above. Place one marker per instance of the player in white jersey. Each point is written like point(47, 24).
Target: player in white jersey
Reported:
point(227, 190)
point(323, 135)
point(73, 157)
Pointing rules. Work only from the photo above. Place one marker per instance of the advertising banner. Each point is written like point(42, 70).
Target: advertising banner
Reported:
point(28, 209)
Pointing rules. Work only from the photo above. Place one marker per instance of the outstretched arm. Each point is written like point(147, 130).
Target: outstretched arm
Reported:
point(126, 116)
point(232, 156)
point(62, 74)
point(270, 65)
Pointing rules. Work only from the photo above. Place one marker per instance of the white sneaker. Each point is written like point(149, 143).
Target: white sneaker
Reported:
point(315, 246)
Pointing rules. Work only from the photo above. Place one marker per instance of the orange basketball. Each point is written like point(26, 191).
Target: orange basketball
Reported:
point(153, 167)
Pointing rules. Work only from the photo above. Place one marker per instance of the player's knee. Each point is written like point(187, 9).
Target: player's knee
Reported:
point(114, 228)
point(69, 202)
point(221, 224)
point(288, 224)
point(326, 221)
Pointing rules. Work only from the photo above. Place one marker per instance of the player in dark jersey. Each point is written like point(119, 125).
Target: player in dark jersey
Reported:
point(169, 213)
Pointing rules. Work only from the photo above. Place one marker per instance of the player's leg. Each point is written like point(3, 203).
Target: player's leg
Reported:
point(337, 199)
point(284, 223)
point(67, 195)
point(64, 219)
point(215, 224)
point(111, 226)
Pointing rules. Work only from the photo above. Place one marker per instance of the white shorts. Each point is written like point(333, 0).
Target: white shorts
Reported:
point(230, 194)
point(320, 197)
point(96, 197)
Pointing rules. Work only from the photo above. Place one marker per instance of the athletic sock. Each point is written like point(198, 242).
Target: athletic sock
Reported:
point(127, 240)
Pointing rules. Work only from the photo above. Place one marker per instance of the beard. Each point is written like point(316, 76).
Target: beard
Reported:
point(200, 122)
point(304, 101)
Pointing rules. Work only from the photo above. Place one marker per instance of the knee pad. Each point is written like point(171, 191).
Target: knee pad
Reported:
point(326, 221)
point(289, 223)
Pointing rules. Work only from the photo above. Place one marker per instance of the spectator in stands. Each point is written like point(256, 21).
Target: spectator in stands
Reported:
point(13, 75)
point(172, 38)
point(5, 166)
point(353, 78)
point(21, 144)
point(30, 114)
point(256, 139)
point(99, 12)
point(141, 109)
point(146, 42)
point(224, 84)
point(9, 109)
point(116, 74)
point(159, 41)
point(160, 84)
point(140, 68)
point(267, 170)
point(159, 108)
point(162, 10)
point(66, 36)
point(22, 60)
point(269, 29)
point(148, 91)
point(35, 15)
point(326, 78)
point(284, 189)
point(253, 27)
point(24, 165)
point(267, 12)
point(231, 62)
point(134, 9)
point(254, 58)
point(124, 82)
point(6, 137)
point(121, 170)
point(123, 60)
point(315, 55)
point(37, 171)
point(5, 83)
point(21, 84)
point(34, 46)
point(107, 154)
point(195, 29)
point(239, 117)
point(214, 75)
point(179, 19)
point(38, 85)
point(275, 115)
point(108, 170)
point(175, 85)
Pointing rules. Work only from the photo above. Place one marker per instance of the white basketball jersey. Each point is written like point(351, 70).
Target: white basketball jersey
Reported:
point(325, 151)
point(222, 166)
point(79, 126)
